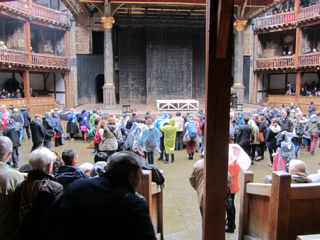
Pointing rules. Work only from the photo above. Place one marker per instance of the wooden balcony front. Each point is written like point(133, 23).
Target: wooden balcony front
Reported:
point(36, 12)
point(14, 57)
point(275, 20)
point(49, 15)
point(276, 63)
point(19, 7)
point(309, 13)
point(45, 61)
point(309, 60)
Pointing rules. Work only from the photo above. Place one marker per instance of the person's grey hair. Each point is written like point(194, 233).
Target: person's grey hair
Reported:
point(5, 147)
point(47, 114)
point(40, 158)
point(124, 163)
point(37, 115)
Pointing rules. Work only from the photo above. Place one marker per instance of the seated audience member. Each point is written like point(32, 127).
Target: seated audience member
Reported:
point(9, 179)
point(107, 203)
point(298, 172)
point(69, 173)
point(58, 161)
point(86, 168)
point(34, 196)
point(100, 160)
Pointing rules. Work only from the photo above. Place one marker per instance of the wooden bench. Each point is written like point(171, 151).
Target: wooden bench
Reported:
point(280, 210)
point(153, 193)
point(177, 104)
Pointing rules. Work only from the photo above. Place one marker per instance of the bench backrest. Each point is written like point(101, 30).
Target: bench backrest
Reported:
point(280, 210)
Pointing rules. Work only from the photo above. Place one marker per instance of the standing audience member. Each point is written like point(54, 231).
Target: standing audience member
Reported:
point(34, 196)
point(55, 121)
point(72, 127)
point(150, 140)
point(179, 137)
point(271, 141)
point(234, 170)
point(93, 117)
point(312, 127)
point(27, 119)
point(245, 136)
point(5, 116)
point(69, 173)
point(255, 143)
point(94, 131)
point(202, 136)
point(262, 132)
point(13, 132)
point(148, 115)
point(48, 128)
point(191, 129)
point(240, 119)
point(107, 202)
point(19, 122)
point(285, 123)
point(131, 120)
point(163, 118)
point(109, 136)
point(37, 132)
point(9, 179)
point(312, 109)
point(298, 131)
point(169, 141)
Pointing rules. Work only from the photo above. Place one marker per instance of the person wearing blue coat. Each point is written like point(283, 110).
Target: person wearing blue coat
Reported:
point(163, 118)
point(58, 129)
point(72, 127)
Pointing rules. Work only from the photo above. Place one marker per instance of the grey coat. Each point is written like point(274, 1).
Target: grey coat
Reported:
point(108, 139)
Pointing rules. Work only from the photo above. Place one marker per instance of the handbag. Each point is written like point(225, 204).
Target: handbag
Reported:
point(261, 137)
point(229, 200)
point(119, 140)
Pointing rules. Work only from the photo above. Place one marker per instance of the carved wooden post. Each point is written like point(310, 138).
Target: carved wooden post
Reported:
point(279, 205)
point(244, 204)
point(26, 86)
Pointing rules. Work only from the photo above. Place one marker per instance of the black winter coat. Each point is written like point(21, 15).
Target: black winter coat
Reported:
point(26, 117)
point(13, 132)
point(245, 134)
point(107, 204)
point(37, 132)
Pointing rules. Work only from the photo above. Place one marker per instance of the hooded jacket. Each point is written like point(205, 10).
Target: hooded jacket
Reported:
point(271, 141)
point(13, 132)
point(26, 117)
point(170, 132)
point(68, 174)
point(92, 118)
point(164, 117)
point(313, 125)
point(56, 124)
point(151, 132)
point(37, 132)
point(286, 124)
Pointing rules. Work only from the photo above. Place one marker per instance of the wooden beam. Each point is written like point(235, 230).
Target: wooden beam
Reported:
point(243, 9)
point(225, 13)
point(218, 72)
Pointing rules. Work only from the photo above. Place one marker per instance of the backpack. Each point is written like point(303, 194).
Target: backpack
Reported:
point(97, 138)
point(70, 117)
point(192, 130)
point(79, 118)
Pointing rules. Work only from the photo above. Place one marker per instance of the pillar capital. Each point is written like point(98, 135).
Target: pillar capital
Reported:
point(107, 22)
point(239, 25)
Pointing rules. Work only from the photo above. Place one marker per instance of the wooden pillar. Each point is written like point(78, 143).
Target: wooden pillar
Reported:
point(66, 89)
point(66, 40)
point(298, 86)
point(279, 206)
point(298, 43)
point(256, 81)
point(26, 85)
point(54, 86)
point(218, 70)
point(28, 40)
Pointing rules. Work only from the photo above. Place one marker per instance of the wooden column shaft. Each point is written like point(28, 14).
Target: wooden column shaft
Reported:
point(28, 40)
point(26, 85)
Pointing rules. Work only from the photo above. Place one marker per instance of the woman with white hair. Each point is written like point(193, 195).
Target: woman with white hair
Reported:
point(34, 196)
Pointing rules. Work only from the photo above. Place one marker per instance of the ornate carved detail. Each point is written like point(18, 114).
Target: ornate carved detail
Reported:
point(239, 25)
point(83, 41)
point(247, 42)
point(107, 22)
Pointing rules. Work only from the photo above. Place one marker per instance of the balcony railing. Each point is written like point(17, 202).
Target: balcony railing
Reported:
point(42, 60)
point(14, 57)
point(274, 20)
point(276, 63)
point(37, 11)
point(309, 60)
point(50, 14)
point(309, 12)
point(17, 5)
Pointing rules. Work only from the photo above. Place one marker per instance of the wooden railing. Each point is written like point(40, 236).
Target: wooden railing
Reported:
point(14, 56)
point(309, 12)
point(274, 63)
point(273, 20)
point(309, 59)
point(50, 14)
point(21, 6)
point(49, 61)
